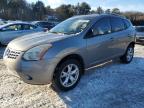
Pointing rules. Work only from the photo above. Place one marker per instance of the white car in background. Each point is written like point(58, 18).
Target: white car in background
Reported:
point(13, 30)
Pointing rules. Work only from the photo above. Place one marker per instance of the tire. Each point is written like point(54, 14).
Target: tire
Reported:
point(67, 75)
point(1, 45)
point(128, 56)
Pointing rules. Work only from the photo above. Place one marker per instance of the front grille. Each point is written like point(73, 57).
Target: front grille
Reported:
point(9, 53)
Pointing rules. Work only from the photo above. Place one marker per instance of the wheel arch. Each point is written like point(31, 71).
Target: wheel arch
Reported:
point(72, 56)
point(132, 43)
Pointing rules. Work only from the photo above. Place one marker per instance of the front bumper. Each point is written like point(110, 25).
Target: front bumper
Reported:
point(32, 72)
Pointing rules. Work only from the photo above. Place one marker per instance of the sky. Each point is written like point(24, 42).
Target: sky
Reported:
point(123, 5)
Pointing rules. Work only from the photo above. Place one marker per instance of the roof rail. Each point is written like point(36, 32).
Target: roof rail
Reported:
point(114, 14)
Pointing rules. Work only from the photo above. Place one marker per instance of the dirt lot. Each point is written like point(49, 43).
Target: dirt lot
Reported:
point(114, 85)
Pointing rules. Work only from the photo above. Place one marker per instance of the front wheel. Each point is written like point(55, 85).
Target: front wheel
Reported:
point(128, 56)
point(68, 74)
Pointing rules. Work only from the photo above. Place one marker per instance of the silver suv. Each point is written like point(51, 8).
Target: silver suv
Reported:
point(62, 54)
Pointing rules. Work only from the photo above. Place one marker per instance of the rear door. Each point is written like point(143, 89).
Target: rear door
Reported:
point(119, 36)
point(27, 29)
point(99, 43)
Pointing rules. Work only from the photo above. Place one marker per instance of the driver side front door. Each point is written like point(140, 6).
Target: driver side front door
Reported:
point(99, 42)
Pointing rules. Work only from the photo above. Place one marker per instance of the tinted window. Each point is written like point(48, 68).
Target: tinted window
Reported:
point(117, 24)
point(102, 27)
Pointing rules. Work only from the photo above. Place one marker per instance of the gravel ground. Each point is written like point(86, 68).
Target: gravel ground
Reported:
point(113, 85)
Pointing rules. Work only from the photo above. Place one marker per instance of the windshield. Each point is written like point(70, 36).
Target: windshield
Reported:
point(71, 26)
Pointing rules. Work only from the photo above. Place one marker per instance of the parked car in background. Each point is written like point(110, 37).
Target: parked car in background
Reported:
point(13, 30)
point(62, 54)
point(140, 34)
point(2, 22)
point(44, 24)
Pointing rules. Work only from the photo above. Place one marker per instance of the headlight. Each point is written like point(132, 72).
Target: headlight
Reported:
point(36, 53)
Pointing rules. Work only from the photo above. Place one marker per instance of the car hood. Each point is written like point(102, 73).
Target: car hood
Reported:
point(28, 41)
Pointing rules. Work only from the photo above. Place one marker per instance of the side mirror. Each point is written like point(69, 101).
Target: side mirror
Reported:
point(45, 30)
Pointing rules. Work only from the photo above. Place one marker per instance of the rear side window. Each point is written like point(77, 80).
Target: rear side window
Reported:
point(102, 27)
point(28, 27)
point(117, 24)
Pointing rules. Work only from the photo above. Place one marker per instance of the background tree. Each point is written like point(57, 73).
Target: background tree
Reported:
point(108, 11)
point(99, 10)
point(21, 10)
point(84, 8)
point(3, 7)
point(49, 10)
point(65, 11)
point(115, 11)
point(16, 9)
point(39, 10)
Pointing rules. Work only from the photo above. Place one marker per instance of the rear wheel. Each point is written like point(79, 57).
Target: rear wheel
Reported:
point(128, 56)
point(68, 74)
point(1, 44)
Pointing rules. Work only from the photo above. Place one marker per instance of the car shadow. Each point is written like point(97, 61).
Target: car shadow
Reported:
point(140, 43)
point(2, 49)
point(112, 85)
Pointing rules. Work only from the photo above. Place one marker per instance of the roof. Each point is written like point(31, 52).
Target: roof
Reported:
point(91, 16)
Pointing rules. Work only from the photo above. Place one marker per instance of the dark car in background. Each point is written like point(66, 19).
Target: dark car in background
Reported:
point(140, 34)
point(44, 24)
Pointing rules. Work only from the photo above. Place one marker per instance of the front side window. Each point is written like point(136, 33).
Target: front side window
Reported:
point(117, 24)
point(102, 27)
point(12, 28)
point(71, 26)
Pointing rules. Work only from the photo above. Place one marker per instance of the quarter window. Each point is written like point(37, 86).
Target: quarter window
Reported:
point(127, 24)
point(117, 24)
point(102, 27)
